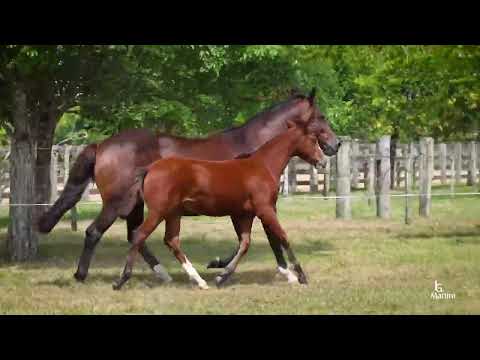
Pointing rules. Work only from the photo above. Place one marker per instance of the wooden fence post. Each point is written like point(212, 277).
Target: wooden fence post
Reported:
point(408, 154)
point(458, 163)
point(354, 153)
point(442, 148)
point(370, 179)
point(313, 179)
point(326, 178)
point(292, 175)
point(383, 177)
point(472, 168)
point(426, 176)
point(343, 204)
point(285, 181)
point(53, 174)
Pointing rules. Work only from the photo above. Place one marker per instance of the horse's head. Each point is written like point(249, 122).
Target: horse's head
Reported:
point(319, 125)
point(306, 146)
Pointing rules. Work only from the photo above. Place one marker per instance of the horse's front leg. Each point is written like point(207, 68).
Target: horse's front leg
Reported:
point(275, 232)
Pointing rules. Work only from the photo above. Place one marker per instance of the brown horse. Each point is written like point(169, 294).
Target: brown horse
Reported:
point(242, 189)
point(113, 165)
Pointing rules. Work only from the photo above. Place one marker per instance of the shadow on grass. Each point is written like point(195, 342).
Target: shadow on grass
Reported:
point(63, 252)
point(472, 237)
point(180, 279)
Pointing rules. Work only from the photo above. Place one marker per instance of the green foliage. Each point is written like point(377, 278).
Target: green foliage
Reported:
point(192, 90)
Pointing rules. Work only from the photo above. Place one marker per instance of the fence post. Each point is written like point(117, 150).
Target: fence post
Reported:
point(354, 163)
point(426, 149)
point(370, 180)
point(292, 175)
point(343, 205)
point(458, 162)
point(408, 154)
point(383, 177)
point(285, 181)
point(53, 174)
point(472, 167)
point(443, 163)
point(452, 178)
point(326, 178)
point(313, 179)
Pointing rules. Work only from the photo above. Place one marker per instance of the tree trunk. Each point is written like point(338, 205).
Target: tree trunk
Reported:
point(22, 240)
point(45, 129)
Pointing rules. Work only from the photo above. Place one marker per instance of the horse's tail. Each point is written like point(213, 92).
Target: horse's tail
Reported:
point(80, 175)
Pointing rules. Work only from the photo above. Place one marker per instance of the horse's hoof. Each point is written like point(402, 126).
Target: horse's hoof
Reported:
point(79, 277)
point(116, 286)
point(214, 264)
point(302, 279)
point(221, 280)
point(203, 286)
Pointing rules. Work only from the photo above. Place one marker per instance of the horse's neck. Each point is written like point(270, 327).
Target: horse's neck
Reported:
point(263, 128)
point(276, 154)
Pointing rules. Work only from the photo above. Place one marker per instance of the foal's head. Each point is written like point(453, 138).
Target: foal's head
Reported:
point(306, 145)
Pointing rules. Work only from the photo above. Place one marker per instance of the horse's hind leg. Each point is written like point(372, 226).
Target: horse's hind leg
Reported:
point(219, 263)
point(243, 228)
point(138, 241)
point(134, 220)
point(93, 235)
point(172, 240)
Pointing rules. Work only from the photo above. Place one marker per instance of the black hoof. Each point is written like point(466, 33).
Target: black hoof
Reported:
point(214, 264)
point(302, 279)
point(80, 277)
point(117, 285)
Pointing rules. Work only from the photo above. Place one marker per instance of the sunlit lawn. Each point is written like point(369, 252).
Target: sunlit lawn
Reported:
point(362, 266)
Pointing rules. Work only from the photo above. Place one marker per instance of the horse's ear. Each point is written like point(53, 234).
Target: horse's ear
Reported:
point(290, 124)
point(311, 97)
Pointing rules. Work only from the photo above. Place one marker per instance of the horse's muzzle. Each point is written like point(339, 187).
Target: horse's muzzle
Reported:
point(330, 150)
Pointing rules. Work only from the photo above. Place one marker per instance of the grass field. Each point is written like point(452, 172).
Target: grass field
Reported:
point(362, 266)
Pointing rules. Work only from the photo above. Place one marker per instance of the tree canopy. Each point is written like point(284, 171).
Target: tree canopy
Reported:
point(194, 89)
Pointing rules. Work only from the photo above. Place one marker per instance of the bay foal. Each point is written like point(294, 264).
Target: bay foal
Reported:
point(242, 189)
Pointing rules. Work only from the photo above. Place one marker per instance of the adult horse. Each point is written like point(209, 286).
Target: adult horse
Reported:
point(113, 165)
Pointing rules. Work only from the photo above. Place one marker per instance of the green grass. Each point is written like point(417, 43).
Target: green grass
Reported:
point(362, 266)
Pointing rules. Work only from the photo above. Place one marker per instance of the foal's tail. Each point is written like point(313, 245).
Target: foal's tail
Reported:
point(80, 175)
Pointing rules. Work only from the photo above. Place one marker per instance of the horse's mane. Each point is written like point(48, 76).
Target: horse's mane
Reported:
point(271, 109)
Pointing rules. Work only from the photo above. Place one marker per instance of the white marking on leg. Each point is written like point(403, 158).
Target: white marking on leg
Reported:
point(291, 277)
point(162, 273)
point(193, 274)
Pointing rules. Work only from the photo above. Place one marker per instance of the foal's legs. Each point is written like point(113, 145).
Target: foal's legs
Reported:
point(270, 221)
point(272, 240)
point(134, 220)
point(139, 237)
point(243, 228)
point(172, 240)
point(92, 236)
